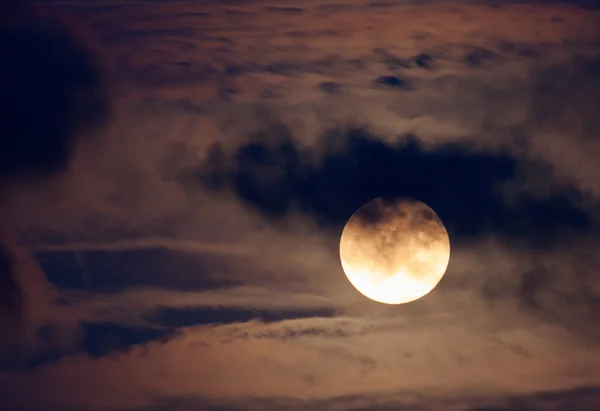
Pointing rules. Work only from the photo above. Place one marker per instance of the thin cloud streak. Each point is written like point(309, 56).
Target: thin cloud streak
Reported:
point(149, 243)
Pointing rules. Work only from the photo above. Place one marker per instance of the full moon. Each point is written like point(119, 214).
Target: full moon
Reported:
point(394, 250)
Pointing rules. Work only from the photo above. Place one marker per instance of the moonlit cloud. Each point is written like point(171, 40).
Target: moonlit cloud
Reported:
point(186, 257)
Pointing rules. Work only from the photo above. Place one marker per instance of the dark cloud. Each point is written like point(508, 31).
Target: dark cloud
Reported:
point(479, 55)
point(567, 97)
point(562, 293)
point(464, 184)
point(519, 49)
point(190, 106)
point(330, 87)
point(153, 33)
point(274, 176)
point(226, 93)
point(105, 338)
point(25, 301)
point(95, 339)
point(424, 60)
point(98, 339)
point(167, 74)
point(114, 271)
point(467, 186)
point(586, 4)
point(237, 12)
point(65, 270)
point(184, 317)
point(11, 298)
point(391, 60)
point(52, 90)
point(284, 10)
point(392, 82)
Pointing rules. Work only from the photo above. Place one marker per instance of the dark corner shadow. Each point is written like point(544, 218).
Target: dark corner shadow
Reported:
point(53, 88)
point(275, 177)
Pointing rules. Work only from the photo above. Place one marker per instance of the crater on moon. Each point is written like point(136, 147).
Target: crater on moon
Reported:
point(394, 249)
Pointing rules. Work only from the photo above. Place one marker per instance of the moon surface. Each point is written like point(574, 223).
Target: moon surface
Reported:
point(394, 250)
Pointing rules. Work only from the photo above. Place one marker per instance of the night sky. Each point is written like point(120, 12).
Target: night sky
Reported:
point(175, 177)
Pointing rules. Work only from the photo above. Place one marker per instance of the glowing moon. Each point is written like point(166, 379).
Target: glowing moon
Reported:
point(394, 250)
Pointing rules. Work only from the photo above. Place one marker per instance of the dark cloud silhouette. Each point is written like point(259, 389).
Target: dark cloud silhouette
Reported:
point(284, 10)
point(586, 4)
point(115, 271)
point(391, 60)
point(329, 87)
point(471, 189)
point(424, 60)
point(479, 55)
point(518, 49)
point(184, 317)
point(104, 338)
point(52, 90)
point(274, 176)
point(567, 97)
point(393, 82)
point(25, 300)
point(98, 339)
point(555, 295)
point(464, 186)
point(11, 298)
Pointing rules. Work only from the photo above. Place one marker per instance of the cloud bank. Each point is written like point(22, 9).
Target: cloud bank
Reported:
point(52, 92)
point(194, 247)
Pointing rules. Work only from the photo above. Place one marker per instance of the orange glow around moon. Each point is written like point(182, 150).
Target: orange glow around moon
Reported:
point(394, 250)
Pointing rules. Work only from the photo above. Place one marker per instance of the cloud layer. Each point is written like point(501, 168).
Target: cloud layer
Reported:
point(52, 92)
point(188, 258)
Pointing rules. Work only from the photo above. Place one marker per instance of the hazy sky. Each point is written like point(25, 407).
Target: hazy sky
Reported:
point(175, 176)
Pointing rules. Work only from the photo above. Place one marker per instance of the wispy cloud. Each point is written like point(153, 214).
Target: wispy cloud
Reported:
point(189, 246)
point(197, 298)
point(316, 358)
